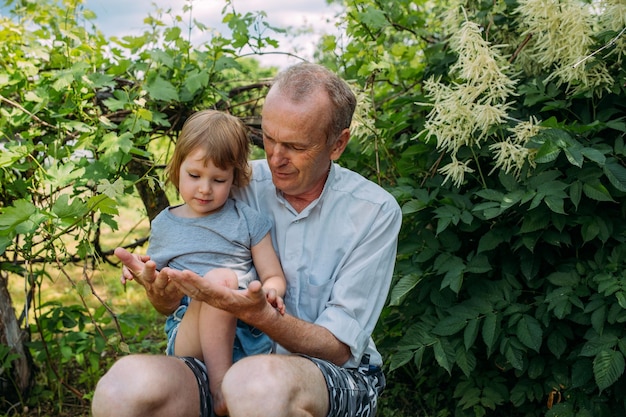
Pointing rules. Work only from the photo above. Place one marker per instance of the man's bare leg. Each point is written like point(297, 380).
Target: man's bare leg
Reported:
point(277, 386)
point(146, 385)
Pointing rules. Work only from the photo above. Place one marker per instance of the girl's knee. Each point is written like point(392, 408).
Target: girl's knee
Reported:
point(223, 276)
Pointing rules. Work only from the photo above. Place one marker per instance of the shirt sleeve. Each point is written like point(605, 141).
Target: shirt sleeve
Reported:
point(361, 287)
point(258, 223)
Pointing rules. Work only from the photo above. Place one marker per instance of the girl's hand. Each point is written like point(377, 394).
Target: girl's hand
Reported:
point(275, 300)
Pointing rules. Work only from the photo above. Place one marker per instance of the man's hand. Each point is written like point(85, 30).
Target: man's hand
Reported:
point(164, 296)
point(249, 305)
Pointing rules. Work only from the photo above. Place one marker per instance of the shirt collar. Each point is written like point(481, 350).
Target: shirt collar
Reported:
point(329, 180)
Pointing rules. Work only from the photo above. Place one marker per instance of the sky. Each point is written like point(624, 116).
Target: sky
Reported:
point(125, 17)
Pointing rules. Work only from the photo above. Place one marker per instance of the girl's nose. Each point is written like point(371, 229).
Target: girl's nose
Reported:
point(205, 187)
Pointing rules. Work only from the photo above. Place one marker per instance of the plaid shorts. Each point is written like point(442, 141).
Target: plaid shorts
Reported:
point(351, 392)
point(202, 378)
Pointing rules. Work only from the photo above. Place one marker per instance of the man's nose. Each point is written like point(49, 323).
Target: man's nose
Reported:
point(278, 154)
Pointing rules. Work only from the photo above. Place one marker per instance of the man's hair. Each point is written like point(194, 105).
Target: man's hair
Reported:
point(222, 137)
point(299, 82)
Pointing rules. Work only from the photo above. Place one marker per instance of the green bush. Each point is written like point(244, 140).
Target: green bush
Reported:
point(505, 126)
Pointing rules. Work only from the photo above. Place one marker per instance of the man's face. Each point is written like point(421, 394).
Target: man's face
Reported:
point(294, 137)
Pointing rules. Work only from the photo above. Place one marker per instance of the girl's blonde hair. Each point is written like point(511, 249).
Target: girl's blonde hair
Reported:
point(222, 137)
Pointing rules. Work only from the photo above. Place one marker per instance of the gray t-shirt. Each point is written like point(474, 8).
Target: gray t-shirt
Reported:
point(220, 240)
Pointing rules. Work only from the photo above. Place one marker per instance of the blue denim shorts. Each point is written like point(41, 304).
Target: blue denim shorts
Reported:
point(248, 339)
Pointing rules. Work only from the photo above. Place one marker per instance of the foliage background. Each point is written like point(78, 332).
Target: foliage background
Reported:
point(507, 158)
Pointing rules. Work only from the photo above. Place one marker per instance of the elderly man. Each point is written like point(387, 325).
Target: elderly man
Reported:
point(336, 236)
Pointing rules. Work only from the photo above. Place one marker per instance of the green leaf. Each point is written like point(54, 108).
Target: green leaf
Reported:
point(598, 318)
point(454, 275)
point(63, 174)
point(12, 153)
point(446, 214)
point(113, 191)
point(441, 355)
point(514, 356)
point(102, 203)
point(172, 34)
point(66, 210)
point(555, 204)
point(465, 360)
point(536, 367)
point(616, 174)
point(596, 191)
point(20, 212)
point(574, 156)
point(162, 58)
point(479, 264)
point(413, 206)
point(450, 325)
point(575, 193)
point(226, 62)
point(160, 89)
point(491, 240)
point(564, 279)
point(621, 299)
point(559, 301)
point(490, 331)
point(535, 220)
point(590, 230)
point(608, 366)
point(374, 18)
point(529, 332)
point(196, 80)
point(404, 286)
point(5, 242)
point(547, 153)
point(599, 343)
point(400, 358)
point(594, 155)
point(471, 333)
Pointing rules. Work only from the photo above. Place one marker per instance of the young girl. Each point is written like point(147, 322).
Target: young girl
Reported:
point(218, 237)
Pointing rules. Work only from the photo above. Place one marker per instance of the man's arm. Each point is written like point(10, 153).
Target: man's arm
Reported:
point(251, 307)
point(164, 296)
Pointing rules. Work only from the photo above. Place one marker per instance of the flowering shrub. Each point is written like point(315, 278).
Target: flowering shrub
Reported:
point(503, 125)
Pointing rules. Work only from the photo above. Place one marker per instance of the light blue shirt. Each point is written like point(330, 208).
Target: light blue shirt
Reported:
point(338, 254)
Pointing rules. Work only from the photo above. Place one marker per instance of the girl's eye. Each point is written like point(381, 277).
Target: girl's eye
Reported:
point(193, 175)
point(220, 181)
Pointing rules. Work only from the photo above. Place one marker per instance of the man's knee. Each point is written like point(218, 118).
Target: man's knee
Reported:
point(120, 385)
point(278, 385)
point(108, 391)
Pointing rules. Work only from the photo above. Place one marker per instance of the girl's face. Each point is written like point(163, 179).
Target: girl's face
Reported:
point(204, 189)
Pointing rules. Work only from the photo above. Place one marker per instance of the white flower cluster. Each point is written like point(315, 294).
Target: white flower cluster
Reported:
point(465, 113)
point(557, 37)
point(561, 34)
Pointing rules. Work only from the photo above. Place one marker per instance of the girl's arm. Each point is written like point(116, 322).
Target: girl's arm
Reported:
point(270, 272)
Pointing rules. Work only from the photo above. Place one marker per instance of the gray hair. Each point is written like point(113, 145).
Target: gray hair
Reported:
point(302, 80)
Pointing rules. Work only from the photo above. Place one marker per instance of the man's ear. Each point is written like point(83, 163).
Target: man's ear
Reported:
point(340, 145)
